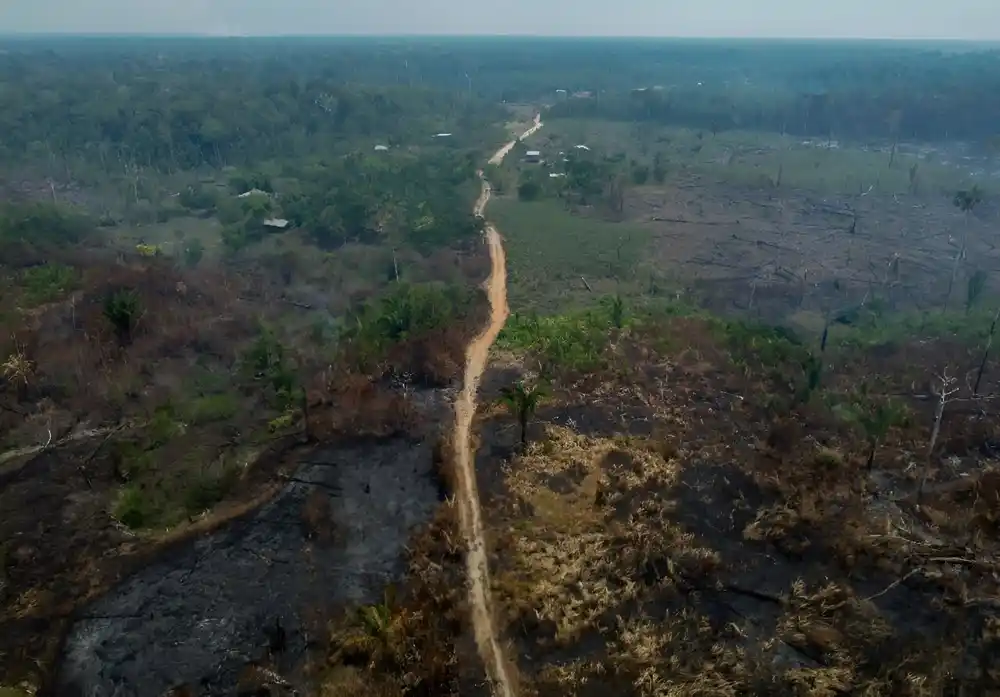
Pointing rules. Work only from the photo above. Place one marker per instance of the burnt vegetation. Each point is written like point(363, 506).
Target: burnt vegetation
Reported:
point(738, 435)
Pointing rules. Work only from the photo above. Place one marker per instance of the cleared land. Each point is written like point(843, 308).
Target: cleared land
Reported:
point(784, 252)
point(712, 507)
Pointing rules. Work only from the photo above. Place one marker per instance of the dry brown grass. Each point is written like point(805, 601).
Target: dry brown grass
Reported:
point(581, 556)
point(733, 545)
point(356, 406)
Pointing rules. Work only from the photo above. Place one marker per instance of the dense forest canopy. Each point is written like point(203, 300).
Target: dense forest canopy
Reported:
point(177, 103)
point(182, 104)
point(926, 96)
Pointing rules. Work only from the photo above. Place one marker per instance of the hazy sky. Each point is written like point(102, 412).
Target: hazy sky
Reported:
point(958, 19)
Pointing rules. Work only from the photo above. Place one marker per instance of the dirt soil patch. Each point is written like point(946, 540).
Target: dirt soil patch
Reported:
point(777, 253)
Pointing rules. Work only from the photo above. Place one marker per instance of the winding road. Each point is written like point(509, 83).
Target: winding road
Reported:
point(470, 513)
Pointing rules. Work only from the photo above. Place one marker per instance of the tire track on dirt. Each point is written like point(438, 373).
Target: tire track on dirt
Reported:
point(470, 512)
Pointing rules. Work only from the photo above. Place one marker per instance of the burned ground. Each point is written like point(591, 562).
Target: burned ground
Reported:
point(200, 614)
point(171, 473)
point(680, 529)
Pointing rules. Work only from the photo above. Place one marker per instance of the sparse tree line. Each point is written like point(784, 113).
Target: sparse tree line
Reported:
point(588, 178)
point(804, 375)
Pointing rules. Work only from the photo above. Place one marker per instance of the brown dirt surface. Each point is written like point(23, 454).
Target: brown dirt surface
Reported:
point(803, 252)
point(470, 517)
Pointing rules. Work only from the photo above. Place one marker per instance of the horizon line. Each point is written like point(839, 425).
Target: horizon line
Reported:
point(363, 35)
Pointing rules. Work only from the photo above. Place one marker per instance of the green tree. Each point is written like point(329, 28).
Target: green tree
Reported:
point(523, 401)
point(193, 253)
point(659, 169)
point(529, 191)
point(966, 201)
point(875, 415)
point(974, 289)
point(617, 311)
point(123, 309)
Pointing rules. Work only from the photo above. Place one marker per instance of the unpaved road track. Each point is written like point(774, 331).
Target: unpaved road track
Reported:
point(470, 514)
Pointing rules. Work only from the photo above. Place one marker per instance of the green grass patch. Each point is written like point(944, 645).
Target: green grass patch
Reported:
point(576, 339)
point(133, 508)
point(163, 427)
point(46, 283)
point(875, 328)
point(212, 408)
point(753, 343)
point(549, 249)
point(573, 341)
point(161, 493)
point(174, 237)
point(208, 488)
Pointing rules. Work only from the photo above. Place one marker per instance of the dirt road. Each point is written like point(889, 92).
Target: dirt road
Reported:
point(470, 514)
point(502, 152)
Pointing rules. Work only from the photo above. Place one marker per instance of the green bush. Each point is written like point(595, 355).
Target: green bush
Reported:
point(405, 311)
point(46, 283)
point(764, 345)
point(207, 489)
point(133, 509)
point(122, 309)
point(212, 408)
point(42, 222)
point(163, 427)
point(198, 198)
point(529, 191)
point(266, 361)
point(573, 341)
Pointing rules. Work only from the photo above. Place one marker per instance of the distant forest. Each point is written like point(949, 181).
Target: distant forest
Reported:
point(178, 103)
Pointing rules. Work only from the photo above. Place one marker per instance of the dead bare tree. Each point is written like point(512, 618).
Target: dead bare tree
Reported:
point(943, 391)
point(986, 353)
point(893, 120)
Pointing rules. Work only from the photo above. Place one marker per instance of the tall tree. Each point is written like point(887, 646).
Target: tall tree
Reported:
point(523, 401)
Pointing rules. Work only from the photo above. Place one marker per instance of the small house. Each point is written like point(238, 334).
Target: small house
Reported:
point(276, 223)
point(442, 135)
point(533, 156)
point(381, 148)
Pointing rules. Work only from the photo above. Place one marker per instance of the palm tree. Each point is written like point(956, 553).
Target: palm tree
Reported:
point(986, 353)
point(617, 310)
point(965, 200)
point(876, 419)
point(379, 630)
point(18, 370)
point(123, 309)
point(522, 400)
